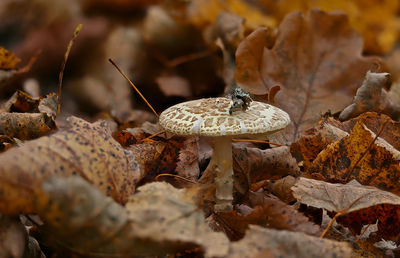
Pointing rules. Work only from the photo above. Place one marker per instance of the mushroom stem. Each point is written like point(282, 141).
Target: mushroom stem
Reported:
point(221, 160)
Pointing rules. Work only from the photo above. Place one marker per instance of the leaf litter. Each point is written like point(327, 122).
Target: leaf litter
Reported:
point(93, 184)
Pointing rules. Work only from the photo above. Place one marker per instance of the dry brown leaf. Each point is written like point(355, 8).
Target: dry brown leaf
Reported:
point(267, 211)
point(282, 189)
point(28, 118)
point(188, 160)
point(316, 60)
point(158, 220)
point(371, 96)
point(84, 149)
point(284, 243)
point(358, 156)
point(13, 237)
point(387, 216)
point(375, 20)
point(356, 204)
point(340, 198)
point(174, 218)
point(257, 164)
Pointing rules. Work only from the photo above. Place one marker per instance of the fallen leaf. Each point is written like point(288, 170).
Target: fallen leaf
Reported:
point(316, 60)
point(387, 216)
point(28, 118)
point(204, 12)
point(188, 160)
point(374, 20)
point(358, 156)
point(371, 96)
point(266, 211)
point(83, 149)
point(174, 218)
point(282, 243)
point(341, 198)
point(13, 237)
point(257, 164)
point(8, 61)
point(158, 220)
point(282, 188)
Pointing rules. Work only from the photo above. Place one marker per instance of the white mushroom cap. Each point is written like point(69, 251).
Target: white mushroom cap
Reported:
point(210, 117)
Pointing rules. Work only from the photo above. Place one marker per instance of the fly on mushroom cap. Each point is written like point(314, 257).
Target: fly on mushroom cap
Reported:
point(210, 117)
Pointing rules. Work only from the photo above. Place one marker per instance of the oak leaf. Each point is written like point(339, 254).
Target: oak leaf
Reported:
point(84, 149)
point(316, 60)
point(282, 243)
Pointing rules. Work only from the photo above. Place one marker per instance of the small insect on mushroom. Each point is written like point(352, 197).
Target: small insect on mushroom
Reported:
point(214, 118)
point(241, 100)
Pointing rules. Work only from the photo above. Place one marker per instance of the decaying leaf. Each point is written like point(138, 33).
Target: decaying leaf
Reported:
point(358, 156)
point(266, 211)
point(316, 60)
point(258, 164)
point(282, 188)
point(158, 220)
point(25, 118)
point(84, 149)
point(174, 218)
point(371, 96)
point(8, 60)
point(188, 163)
point(13, 237)
point(356, 204)
point(340, 198)
point(284, 243)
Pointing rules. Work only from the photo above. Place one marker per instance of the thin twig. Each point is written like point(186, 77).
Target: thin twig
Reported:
point(365, 152)
point(256, 141)
point(133, 85)
point(153, 135)
point(330, 224)
point(180, 177)
point(60, 77)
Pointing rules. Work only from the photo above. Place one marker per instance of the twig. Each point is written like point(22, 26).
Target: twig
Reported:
point(256, 141)
point(330, 224)
point(60, 77)
point(180, 177)
point(133, 85)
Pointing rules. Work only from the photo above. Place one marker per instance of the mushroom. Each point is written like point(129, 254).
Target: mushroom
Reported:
point(210, 117)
